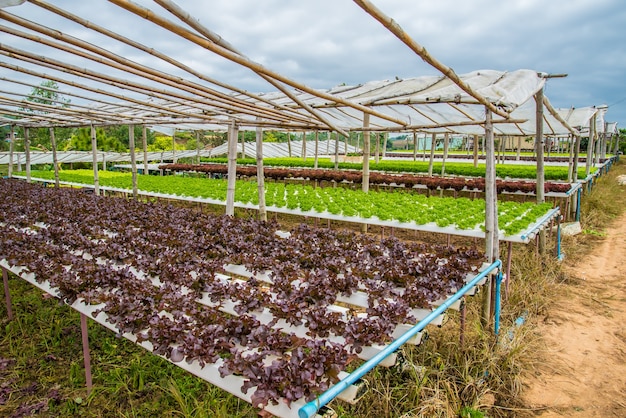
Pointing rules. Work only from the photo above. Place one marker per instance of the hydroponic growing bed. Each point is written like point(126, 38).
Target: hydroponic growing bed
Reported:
point(518, 221)
point(273, 319)
point(473, 184)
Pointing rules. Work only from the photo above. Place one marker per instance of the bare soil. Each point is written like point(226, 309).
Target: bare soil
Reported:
point(584, 369)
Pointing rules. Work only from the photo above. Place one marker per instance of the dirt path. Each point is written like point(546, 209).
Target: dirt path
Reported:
point(585, 336)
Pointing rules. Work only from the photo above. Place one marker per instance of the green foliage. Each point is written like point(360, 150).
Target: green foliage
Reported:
point(394, 166)
point(401, 206)
point(81, 141)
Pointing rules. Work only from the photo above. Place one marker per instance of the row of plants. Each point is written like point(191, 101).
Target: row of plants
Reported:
point(378, 178)
point(564, 158)
point(397, 205)
point(503, 171)
point(146, 266)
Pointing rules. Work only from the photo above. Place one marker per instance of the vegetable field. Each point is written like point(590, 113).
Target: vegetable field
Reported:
point(272, 315)
point(460, 214)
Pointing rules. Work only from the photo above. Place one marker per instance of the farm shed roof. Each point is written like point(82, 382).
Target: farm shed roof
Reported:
point(106, 88)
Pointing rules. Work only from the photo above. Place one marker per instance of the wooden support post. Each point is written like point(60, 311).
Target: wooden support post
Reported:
point(27, 154)
point(232, 169)
point(86, 357)
point(144, 144)
point(198, 146)
point(590, 145)
point(446, 141)
point(55, 161)
point(377, 152)
point(414, 146)
point(385, 138)
point(491, 214)
point(94, 153)
point(540, 163)
point(303, 146)
point(260, 174)
point(317, 149)
point(7, 294)
point(336, 151)
point(476, 150)
point(289, 143)
point(243, 144)
point(570, 161)
point(365, 182)
point(11, 150)
point(133, 160)
point(433, 142)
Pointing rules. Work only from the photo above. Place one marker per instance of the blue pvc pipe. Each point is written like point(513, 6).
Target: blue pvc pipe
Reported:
point(558, 241)
point(498, 307)
point(309, 409)
point(580, 191)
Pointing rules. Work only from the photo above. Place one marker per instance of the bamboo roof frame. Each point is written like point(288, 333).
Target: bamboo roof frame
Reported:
point(178, 100)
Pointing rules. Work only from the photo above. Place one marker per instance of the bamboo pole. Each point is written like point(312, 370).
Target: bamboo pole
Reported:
point(590, 145)
point(142, 103)
point(336, 150)
point(138, 108)
point(491, 217)
point(570, 160)
point(174, 159)
point(11, 149)
point(289, 143)
point(55, 162)
point(226, 102)
point(540, 163)
point(260, 174)
point(539, 147)
point(433, 143)
point(171, 96)
point(27, 154)
point(385, 139)
point(476, 145)
point(164, 57)
point(598, 140)
point(94, 152)
point(243, 144)
point(365, 182)
point(144, 145)
point(414, 145)
point(216, 44)
point(397, 30)
point(317, 144)
point(377, 154)
point(446, 142)
point(519, 148)
point(133, 159)
point(197, 147)
point(232, 169)
point(576, 156)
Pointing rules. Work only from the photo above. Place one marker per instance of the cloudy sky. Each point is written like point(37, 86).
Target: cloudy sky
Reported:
point(323, 43)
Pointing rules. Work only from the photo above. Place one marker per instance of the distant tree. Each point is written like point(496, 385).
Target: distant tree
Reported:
point(46, 94)
point(81, 141)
